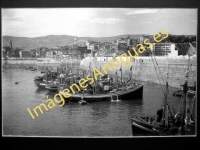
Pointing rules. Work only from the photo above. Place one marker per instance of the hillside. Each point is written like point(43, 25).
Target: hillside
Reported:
point(62, 40)
point(55, 40)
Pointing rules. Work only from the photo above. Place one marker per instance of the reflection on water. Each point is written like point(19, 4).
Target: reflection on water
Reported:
point(95, 119)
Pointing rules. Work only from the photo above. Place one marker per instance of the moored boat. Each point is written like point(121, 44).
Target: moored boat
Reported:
point(177, 93)
point(141, 126)
point(52, 87)
point(165, 123)
point(122, 94)
point(40, 84)
point(168, 122)
point(191, 93)
point(39, 78)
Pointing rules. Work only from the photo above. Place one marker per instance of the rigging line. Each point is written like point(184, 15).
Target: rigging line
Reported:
point(159, 70)
point(170, 112)
point(170, 103)
point(158, 77)
point(154, 61)
point(193, 103)
point(180, 103)
point(173, 108)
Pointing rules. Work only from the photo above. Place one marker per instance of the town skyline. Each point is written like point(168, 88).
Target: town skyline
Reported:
point(96, 22)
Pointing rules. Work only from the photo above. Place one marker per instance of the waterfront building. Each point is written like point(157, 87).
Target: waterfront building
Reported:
point(49, 54)
point(144, 37)
point(42, 52)
point(15, 52)
point(6, 49)
point(122, 45)
point(33, 53)
point(90, 45)
point(132, 43)
point(164, 49)
point(25, 54)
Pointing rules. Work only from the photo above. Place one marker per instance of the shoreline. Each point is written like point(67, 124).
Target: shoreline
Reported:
point(19, 66)
point(142, 71)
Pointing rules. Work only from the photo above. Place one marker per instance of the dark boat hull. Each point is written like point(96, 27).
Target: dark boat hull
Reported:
point(52, 88)
point(178, 93)
point(38, 79)
point(191, 93)
point(130, 94)
point(40, 84)
point(143, 128)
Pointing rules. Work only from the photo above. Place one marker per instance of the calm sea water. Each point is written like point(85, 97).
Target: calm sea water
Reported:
point(96, 119)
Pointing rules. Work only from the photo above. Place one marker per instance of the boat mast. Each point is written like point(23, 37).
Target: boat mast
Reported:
point(185, 88)
point(131, 76)
point(165, 105)
point(166, 96)
point(121, 73)
point(92, 77)
point(47, 74)
point(185, 101)
point(71, 65)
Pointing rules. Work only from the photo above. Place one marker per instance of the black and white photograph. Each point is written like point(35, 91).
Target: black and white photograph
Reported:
point(99, 72)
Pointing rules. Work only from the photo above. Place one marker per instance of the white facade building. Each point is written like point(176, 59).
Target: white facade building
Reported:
point(163, 49)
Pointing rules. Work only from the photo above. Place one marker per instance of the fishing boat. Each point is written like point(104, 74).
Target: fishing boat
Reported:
point(177, 93)
point(142, 126)
point(192, 90)
point(54, 80)
point(105, 89)
point(40, 84)
point(34, 69)
point(39, 78)
point(52, 87)
point(167, 122)
point(101, 91)
point(191, 93)
point(125, 94)
point(41, 81)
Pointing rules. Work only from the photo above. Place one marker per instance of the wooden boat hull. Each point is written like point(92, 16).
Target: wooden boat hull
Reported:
point(40, 84)
point(52, 88)
point(191, 93)
point(38, 78)
point(129, 94)
point(178, 93)
point(142, 128)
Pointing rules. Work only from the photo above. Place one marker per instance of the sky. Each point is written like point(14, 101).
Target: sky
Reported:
point(96, 22)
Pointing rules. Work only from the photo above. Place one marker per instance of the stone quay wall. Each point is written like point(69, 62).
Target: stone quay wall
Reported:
point(146, 69)
point(40, 63)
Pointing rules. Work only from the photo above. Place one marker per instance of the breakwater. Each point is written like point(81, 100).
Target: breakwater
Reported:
point(40, 63)
point(152, 69)
point(143, 68)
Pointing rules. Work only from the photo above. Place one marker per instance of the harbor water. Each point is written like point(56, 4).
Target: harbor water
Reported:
point(72, 119)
